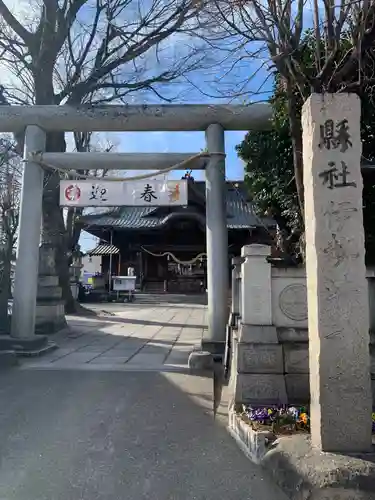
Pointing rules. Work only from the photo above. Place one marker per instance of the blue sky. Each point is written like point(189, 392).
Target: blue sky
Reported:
point(217, 83)
point(180, 142)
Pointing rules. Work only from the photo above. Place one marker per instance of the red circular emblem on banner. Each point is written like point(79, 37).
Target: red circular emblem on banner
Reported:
point(72, 193)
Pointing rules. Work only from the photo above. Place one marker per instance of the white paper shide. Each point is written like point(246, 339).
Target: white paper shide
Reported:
point(85, 193)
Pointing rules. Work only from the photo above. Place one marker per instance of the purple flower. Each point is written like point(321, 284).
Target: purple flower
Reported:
point(258, 415)
point(294, 412)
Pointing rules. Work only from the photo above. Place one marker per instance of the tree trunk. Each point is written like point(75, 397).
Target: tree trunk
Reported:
point(6, 253)
point(3, 295)
point(63, 272)
point(296, 136)
point(54, 231)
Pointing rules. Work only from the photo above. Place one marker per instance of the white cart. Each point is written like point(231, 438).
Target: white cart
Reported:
point(124, 285)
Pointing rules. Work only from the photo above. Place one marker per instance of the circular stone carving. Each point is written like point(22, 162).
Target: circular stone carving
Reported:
point(293, 302)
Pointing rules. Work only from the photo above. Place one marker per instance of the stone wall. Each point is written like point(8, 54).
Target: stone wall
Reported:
point(295, 347)
point(289, 297)
point(270, 358)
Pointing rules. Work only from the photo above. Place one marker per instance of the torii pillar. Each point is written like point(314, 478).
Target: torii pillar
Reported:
point(217, 243)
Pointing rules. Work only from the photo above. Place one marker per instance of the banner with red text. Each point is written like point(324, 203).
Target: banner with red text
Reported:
point(104, 193)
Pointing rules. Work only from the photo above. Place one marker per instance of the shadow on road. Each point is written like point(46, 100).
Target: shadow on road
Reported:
point(143, 322)
point(98, 435)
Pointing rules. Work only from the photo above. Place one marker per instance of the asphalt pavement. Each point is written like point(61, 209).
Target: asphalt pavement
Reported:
point(121, 431)
point(117, 435)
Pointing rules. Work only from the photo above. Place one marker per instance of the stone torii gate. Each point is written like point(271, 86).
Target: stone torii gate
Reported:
point(36, 121)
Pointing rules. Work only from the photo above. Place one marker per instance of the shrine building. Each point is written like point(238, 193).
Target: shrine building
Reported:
point(167, 245)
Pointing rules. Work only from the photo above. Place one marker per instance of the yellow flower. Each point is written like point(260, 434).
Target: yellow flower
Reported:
point(270, 411)
point(303, 418)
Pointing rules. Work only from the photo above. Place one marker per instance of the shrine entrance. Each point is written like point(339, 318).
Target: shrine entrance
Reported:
point(37, 120)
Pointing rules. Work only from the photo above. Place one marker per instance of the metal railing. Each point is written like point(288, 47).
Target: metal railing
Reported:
point(236, 302)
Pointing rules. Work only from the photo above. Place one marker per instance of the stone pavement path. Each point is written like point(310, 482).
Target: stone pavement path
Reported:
point(138, 336)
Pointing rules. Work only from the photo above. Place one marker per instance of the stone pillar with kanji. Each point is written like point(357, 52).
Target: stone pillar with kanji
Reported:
point(340, 383)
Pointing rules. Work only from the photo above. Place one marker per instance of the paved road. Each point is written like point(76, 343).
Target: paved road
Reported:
point(108, 435)
point(112, 434)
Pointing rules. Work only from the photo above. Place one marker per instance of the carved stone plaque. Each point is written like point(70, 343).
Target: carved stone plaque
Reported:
point(260, 358)
point(293, 302)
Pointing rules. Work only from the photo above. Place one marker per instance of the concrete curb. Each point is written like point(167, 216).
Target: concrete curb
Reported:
point(254, 444)
point(305, 473)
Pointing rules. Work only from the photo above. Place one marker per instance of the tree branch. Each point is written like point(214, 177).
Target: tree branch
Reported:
point(16, 26)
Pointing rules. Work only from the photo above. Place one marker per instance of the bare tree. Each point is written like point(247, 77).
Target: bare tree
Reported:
point(10, 188)
point(93, 51)
point(84, 142)
point(342, 34)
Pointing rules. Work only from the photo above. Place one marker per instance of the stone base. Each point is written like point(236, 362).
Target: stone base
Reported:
point(306, 473)
point(8, 359)
point(5, 325)
point(48, 289)
point(258, 389)
point(50, 346)
point(19, 345)
point(257, 334)
point(50, 317)
point(201, 361)
point(49, 293)
point(298, 388)
point(50, 313)
point(257, 366)
point(50, 327)
point(259, 358)
point(217, 349)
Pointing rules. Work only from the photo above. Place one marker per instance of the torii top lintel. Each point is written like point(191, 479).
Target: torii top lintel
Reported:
point(137, 118)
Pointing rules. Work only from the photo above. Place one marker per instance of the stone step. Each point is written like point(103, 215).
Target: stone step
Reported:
point(155, 287)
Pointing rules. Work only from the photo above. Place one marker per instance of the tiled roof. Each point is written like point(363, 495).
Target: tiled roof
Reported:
point(240, 213)
point(103, 250)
